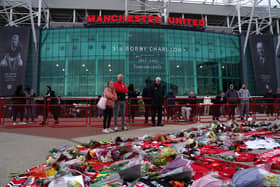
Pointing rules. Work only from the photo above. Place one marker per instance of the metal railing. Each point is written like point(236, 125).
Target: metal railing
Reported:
point(79, 112)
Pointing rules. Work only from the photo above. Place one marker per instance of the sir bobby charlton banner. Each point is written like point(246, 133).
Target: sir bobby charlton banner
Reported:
point(263, 62)
point(14, 44)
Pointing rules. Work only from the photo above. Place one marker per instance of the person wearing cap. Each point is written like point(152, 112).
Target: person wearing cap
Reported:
point(157, 101)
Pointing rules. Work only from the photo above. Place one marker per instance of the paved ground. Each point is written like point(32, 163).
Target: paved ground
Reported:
point(23, 148)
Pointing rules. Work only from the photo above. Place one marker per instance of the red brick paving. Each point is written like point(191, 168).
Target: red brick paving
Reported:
point(63, 132)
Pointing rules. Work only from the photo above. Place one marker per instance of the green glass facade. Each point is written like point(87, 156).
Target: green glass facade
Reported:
point(79, 61)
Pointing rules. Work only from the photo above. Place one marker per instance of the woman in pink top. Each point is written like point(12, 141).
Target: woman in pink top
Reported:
point(111, 96)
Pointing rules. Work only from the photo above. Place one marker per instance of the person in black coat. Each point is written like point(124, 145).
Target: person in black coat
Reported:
point(269, 102)
point(19, 104)
point(52, 100)
point(132, 99)
point(232, 98)
point(147, 98)
point(219, 102)
point(157, 101)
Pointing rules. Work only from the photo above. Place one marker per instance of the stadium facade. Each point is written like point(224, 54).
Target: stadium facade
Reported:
point(77, 46)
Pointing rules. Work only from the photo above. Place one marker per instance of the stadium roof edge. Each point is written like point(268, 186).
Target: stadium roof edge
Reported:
point(173, 7)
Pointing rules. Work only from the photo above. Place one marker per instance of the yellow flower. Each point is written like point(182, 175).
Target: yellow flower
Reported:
point(51, 172)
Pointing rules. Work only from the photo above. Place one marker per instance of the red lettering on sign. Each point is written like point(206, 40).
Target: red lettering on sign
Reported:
point(189, 21)
point(122, 18)
point(171, 20)
point(150, 19)
point(144, 18)
point(194, 22)
point(179, 21)
point(201, 23)
point(90, 19)
point(157, 19)
point(99, 19)
point(137, 19)
point(107, 18)
point(129, 18)
point(114, 18)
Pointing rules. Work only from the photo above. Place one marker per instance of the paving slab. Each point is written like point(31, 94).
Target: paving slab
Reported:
point(20, 150)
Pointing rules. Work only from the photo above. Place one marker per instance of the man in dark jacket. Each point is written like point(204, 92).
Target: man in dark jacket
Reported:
point(219, 102)
point(147, 97)
point(157, 101)
point(19, 102)
point(52, 101)
point(232, 98)
point(269, 102)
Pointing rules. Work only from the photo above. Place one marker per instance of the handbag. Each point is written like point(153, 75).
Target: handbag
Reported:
point(102, 103)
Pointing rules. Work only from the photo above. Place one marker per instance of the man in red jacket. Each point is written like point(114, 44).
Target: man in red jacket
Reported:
point(121, 90)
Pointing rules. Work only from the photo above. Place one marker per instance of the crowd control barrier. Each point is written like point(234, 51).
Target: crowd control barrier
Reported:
point(181, 111)
point(22, 111)
point(18, 112)
point(140, 112)
point(96, 115)
point(277, 103)
point(1, 110)
point(265, 109)
point(67, 112)
point(212, 111)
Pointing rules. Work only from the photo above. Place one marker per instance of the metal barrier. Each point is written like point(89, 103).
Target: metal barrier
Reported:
point(96, 115)
point(29, 114)
point(67, 112)
point(265, 109)
point(182, 111)
point(139, 112)
point(216, 110)
point(240, 109)
point(78, 112)
point(277, 103)
point(1, 110)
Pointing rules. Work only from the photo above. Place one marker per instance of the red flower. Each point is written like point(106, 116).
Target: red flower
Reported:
point(83, 168)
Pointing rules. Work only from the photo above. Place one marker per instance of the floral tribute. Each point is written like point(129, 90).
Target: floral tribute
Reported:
point(217, 155)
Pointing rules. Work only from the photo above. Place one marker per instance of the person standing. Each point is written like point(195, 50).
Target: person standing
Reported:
point(232, 98)
point(19, 102)
point(269, 101)
point(157, 101)
point(207, 102)
point(51, 98)
point(147, 98)
point(29, 93)
point(219, 103)
point(132, 99)
point(121, 90)
point(111, 96)
point(188, 111)
point(244, 96)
